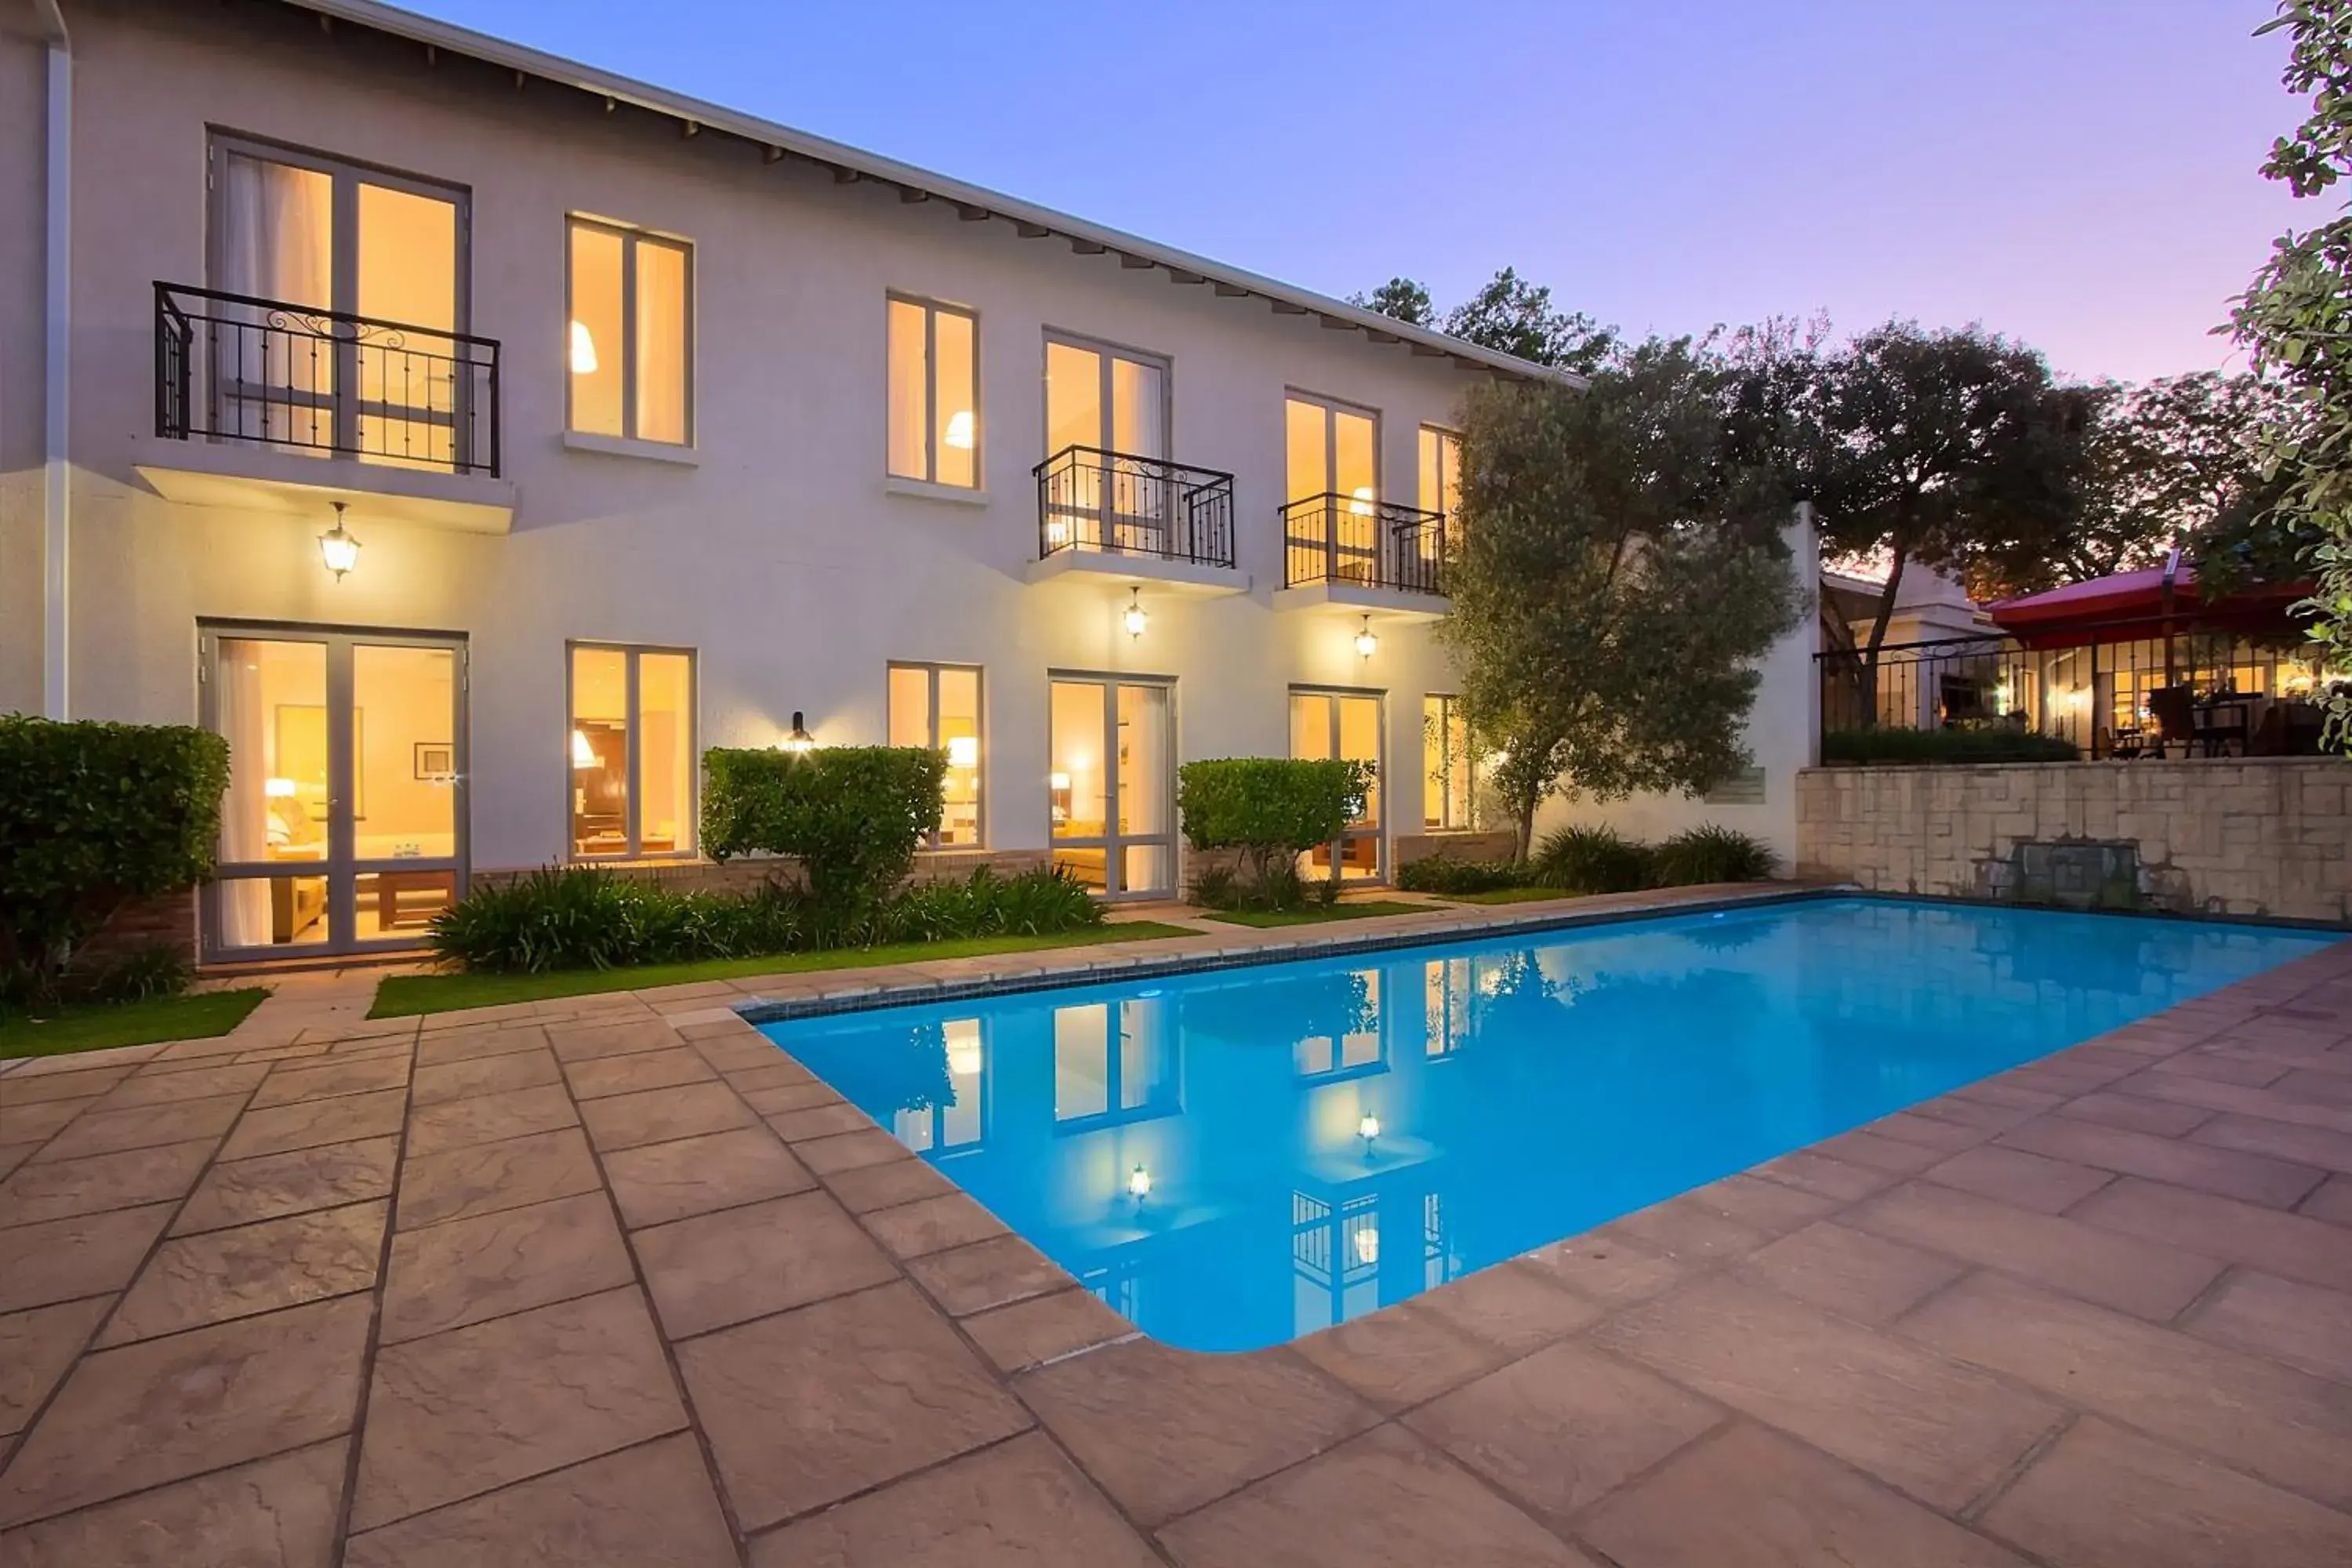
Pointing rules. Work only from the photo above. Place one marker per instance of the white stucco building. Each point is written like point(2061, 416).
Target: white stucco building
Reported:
point(659, 427)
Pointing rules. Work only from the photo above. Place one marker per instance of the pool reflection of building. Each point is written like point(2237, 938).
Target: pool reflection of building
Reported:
point(1366, 1220)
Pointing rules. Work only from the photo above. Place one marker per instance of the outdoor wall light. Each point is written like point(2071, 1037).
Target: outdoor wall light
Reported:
point(1367, 644)
point(1139, 1184)
point(1135, 619)
point(337, 548)
point(798, 739)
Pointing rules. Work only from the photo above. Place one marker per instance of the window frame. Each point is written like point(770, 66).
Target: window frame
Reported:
point(1445, 437)
point(347, 175)
point(1449, 705)
point(633, 710)
point(1105, 352)
point(931, 308)
point(630, 237)
point(932, 669)
point(1332, 408)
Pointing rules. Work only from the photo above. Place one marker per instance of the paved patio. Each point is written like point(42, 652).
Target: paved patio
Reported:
point(612, 1281)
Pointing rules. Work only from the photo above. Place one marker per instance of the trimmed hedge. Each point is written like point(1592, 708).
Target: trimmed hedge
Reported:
point(1948, 747)
point(852, 815)
point(1444, 874)
point(91, 816)
point(1271, 809)
point(591, 918)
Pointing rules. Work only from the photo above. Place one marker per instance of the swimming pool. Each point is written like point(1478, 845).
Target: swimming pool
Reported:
point(1235, 1157)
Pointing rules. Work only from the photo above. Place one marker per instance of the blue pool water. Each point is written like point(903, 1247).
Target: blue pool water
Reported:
point(1525, 1088)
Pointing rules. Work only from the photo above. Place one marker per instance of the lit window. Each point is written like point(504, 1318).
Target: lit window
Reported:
point(631, 750)
point(936, 707)
point(1441, 470)
point(627, 350)
point(1449, 783)
point(934, 393)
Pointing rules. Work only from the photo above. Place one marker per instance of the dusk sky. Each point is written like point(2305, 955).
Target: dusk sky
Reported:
point(2079, 173)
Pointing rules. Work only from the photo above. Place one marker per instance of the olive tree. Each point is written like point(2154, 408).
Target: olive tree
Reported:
point(1615, 576)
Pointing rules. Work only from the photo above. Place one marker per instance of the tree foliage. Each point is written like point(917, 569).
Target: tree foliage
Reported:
point(2295, 321)
point(1401, 297)
point(1614, 580)
point(1509, 315)
point(1948, 448)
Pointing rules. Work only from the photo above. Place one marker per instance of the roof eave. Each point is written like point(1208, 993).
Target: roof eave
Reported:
point(972, 201)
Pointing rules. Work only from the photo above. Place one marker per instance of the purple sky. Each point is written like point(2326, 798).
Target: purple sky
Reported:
point(2080, 173)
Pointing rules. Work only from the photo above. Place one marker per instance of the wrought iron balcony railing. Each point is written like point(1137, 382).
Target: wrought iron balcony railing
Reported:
point(1349, 539)
point(1117, 502)
point(232, 368)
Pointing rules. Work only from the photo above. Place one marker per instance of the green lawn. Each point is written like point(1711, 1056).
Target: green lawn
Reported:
point(1507, 896)
point(401, 996)
point(1266, 919)
point(93, 1026)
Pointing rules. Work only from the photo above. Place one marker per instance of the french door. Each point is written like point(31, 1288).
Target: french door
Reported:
point(344, 829)
point(1332, 455)
point(1111, 783)
point(1346, 725)
point(1114, 492)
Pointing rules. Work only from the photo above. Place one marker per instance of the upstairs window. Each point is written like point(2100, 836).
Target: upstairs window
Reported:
point(934, 352)
point(628, 339)
point(1441, 471)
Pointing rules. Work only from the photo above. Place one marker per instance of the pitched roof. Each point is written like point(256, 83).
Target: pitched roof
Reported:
point(974, 203)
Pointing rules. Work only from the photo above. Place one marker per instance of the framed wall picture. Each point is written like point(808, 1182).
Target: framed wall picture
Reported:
point(436, 761)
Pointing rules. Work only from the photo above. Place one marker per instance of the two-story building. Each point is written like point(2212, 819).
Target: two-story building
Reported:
point(473, 437)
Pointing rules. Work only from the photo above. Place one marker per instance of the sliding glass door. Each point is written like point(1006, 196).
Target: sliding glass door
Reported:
point(1326, 724)
point(1111, 784)
point(344, 829)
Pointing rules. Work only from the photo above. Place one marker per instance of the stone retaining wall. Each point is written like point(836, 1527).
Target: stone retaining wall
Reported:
point(2258, 836)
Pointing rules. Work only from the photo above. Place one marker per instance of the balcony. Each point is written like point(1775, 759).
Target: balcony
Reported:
point(1356, 554)
point(268, 405)
point(1115, 515)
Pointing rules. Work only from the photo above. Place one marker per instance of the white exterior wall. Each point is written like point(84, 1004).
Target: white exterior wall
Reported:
point(778, 554)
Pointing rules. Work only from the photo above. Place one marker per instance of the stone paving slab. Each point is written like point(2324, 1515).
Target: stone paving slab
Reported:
point(612, 1280)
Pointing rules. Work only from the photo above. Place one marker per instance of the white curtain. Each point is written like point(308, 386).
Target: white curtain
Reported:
point(244, 810)
point(275, 243)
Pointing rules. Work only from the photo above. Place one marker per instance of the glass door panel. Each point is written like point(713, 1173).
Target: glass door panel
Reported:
point(1110, 784)
point(269, 702)
point(276, 242)
point(1306, 442)
point(403, 799)
point(1346, 725)
point(348, 756)
point(406, 272)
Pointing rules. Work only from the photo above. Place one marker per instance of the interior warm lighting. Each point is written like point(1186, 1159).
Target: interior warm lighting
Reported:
point(1369, 1128)
point(337, 548)
point(798, 739)
point(584, 350)
point(1139, 1184)
point(583, 755)
point(1368, 1244)
point(1057, 780)
point(278, 789)
point(1361, 503)
point(959, 430)
point(963, 750)
point(1367, 644)
point(963, 1059)
point(1135, 619)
